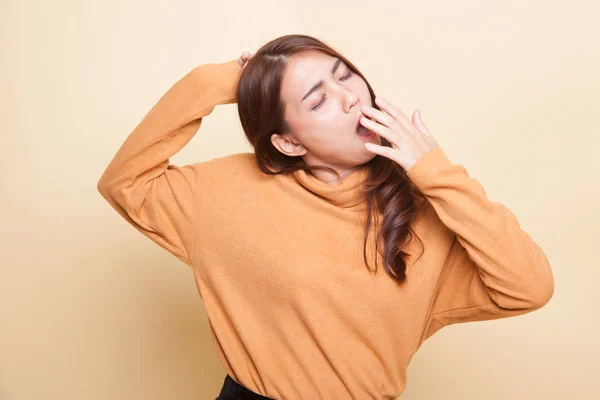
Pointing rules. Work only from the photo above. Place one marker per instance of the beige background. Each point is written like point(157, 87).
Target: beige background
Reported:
point(90, 309)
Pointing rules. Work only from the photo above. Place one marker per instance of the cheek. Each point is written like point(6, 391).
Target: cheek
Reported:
point(323, 139)
point(335, 120)
point(328, 124)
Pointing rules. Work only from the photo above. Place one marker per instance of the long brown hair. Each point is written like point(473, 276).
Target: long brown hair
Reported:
point(261, 110)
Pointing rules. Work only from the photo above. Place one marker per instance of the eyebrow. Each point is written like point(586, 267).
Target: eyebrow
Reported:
point(320, 83)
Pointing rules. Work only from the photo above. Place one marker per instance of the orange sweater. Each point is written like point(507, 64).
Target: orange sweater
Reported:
point(294, 313)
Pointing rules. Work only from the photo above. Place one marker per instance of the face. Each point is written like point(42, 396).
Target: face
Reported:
point(323, 119)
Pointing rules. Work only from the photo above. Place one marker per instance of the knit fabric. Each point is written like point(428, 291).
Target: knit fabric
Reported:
point(294, 311)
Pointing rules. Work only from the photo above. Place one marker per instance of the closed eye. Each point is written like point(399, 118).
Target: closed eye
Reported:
point(343, 78)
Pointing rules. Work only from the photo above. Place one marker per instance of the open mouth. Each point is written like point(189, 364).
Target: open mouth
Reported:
point(363, 132)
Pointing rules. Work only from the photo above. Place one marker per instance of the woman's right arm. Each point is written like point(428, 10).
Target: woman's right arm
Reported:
point(160, 199)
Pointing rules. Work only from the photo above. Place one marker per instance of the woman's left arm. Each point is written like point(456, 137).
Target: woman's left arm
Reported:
point(494, 269)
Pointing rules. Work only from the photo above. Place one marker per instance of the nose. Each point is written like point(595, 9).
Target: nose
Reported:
point(347, 96)
point(350, 100)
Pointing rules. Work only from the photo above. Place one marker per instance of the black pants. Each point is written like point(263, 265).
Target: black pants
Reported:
point(232, 390)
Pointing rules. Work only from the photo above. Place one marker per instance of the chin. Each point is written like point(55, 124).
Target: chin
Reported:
point(366, 157)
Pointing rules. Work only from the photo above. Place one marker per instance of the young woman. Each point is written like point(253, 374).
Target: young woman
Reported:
point(326, 256)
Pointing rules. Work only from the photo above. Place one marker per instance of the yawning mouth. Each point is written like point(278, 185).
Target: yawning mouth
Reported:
point(361, 130)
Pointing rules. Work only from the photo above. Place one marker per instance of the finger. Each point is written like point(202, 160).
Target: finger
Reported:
point(379, 116)
point(394, 112)
point(419, 122)
point(384, 151)
point(381, 130)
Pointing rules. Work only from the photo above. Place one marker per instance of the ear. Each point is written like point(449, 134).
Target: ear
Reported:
point(288, 145)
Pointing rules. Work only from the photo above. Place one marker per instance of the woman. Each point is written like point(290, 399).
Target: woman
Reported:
point(305, 251)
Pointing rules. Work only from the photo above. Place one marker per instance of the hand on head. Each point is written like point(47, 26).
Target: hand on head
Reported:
point(244, 58)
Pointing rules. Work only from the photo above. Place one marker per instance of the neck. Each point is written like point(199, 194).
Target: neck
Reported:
point(330, 178)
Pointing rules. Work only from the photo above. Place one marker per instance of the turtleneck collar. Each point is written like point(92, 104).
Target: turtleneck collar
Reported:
point(348, 193)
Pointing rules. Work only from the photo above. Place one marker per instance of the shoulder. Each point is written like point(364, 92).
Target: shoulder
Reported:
point(232, 163)
point(234, 168)
point(235, 158)
point(226, 181)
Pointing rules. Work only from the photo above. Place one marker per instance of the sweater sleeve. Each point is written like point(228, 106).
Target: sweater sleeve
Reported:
point(160, 199)
point(493, 268)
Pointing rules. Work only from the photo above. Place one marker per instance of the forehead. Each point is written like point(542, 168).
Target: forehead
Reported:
point(302, 71)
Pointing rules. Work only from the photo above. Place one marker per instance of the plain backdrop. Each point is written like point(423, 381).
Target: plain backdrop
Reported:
point(91, 309)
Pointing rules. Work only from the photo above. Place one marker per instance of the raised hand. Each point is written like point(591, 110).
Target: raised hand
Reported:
point(410, 140)
point(244, 58)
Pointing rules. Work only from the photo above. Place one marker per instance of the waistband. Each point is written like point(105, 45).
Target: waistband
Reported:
point(232, 390)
